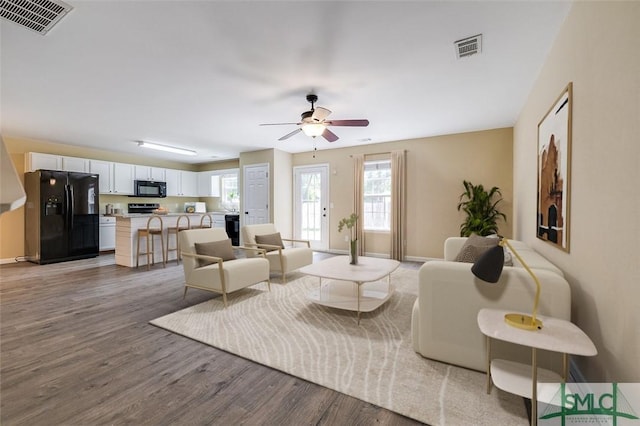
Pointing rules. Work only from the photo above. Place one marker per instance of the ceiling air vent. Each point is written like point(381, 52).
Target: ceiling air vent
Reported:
point(37, 15)
point(468, 46)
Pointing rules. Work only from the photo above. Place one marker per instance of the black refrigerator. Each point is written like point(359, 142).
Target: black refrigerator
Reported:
point(61, 216)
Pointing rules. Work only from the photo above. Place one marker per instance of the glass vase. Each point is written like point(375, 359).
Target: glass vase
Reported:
point(353, 252)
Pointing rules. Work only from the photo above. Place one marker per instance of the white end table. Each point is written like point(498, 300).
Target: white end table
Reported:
point(556, 335)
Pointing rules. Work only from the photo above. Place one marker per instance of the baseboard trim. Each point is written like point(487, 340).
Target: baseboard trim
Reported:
point(7, 261)
point(385, 256)
point(420, 259)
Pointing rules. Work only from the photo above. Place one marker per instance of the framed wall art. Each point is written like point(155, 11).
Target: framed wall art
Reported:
point(554, 172)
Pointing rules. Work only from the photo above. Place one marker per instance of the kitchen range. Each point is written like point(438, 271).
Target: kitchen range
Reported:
point(142, 208)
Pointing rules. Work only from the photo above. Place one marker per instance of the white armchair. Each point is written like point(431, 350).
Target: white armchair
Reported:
point(282, 260)
point(220, 276)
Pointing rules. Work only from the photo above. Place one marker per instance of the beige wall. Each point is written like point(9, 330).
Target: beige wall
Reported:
point(436, 167)
point(219, 165)
point(597, 50)
point(282, 188)
point(12, 222)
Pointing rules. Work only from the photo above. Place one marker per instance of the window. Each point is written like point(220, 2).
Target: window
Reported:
point(377, 195)
point(229, 191)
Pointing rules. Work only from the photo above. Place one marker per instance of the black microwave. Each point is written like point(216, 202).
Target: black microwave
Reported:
point(149, 188)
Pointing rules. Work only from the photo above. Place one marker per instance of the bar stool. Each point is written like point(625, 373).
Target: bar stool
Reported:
point(202, 225)
point(174, 230)
point(148, 233)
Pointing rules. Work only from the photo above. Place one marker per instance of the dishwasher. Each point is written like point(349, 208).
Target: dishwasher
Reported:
point(232, 226)
point(107, 233)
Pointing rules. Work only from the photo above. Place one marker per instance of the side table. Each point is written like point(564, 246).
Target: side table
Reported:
point(556, 335)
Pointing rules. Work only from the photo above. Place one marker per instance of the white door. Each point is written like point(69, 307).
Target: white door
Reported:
point(255, 197)
point(311, 205)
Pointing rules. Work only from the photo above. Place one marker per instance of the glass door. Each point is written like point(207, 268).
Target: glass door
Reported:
point(311, 205)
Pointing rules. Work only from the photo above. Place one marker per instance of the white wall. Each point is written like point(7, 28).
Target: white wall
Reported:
point(597, 49)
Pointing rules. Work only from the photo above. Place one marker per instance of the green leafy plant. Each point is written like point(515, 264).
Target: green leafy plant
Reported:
point(481, 209)
point(350, 223)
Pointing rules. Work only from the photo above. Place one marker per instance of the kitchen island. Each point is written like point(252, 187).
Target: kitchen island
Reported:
point(127, 226)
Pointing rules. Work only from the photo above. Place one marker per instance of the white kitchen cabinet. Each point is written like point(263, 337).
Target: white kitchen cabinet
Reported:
point(173, 187)
point(158, 174)
point(36, 161)
point(107, 233)
point(123, 178)
point(150, 173)
point(181, 183)
point(104, 169)
point(208, 184)
point(189, 183)
point(75, 164)
point(115, 178)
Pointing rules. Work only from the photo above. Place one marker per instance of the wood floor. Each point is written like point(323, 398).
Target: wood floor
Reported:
point(76, 349)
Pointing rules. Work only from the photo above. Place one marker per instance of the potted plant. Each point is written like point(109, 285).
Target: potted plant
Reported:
point(481, 209)
point(350, 223)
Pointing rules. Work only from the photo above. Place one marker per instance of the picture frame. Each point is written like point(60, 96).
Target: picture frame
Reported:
point(554, 171)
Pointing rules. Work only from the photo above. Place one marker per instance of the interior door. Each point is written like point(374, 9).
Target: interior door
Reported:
point(255, 195)
point(311, 205)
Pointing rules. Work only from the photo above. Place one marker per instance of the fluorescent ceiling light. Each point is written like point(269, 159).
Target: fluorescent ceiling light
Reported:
point(166, 148)
point(313, 129)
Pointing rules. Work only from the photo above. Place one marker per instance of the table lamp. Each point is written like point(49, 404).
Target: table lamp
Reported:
point(489, 268)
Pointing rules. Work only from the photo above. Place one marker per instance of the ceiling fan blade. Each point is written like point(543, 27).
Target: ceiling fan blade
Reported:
point(355, 123)
point(276, 124)
point(329, 135)
point(288, 135)
point(320, 114)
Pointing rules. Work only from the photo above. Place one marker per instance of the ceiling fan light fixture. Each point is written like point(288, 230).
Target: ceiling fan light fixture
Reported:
point(313, 129)
point(166, 148)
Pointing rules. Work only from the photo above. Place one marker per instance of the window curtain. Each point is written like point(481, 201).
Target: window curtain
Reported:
point(358, 199)
point(398, 204)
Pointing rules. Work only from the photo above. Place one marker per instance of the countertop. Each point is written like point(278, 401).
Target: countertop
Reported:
point(170, 214)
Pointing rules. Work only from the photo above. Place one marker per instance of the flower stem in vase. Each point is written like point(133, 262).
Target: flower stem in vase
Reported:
point(353, 252)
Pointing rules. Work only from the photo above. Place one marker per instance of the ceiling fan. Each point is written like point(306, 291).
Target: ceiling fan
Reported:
point(314, 123)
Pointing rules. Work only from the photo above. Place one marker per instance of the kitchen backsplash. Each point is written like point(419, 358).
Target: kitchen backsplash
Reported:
point(172, 204)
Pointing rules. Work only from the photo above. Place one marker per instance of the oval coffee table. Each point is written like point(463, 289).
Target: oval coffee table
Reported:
point(352, 297)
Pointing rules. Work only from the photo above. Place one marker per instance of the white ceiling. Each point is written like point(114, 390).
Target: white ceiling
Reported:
point(204, 74)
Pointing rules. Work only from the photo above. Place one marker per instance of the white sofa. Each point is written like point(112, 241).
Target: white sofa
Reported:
point(444, 318)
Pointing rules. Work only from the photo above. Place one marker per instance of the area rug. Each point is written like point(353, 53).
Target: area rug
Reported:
point(373, 361)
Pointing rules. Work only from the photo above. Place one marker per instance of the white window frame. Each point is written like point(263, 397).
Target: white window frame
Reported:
point(386, 195)
point(229, 203)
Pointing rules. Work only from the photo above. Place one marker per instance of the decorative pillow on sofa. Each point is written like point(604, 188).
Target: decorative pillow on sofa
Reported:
point(474, 247)
point(508, 258)
point(270, 239)
point(222, 249)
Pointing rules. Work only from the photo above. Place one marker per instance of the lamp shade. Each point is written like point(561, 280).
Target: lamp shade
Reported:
point(489, 266)
point(313, 129)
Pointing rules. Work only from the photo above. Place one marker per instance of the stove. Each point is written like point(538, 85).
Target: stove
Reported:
point(142, 207)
